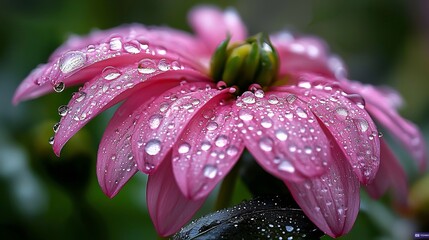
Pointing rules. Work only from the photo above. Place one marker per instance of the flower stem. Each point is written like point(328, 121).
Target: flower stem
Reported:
point(227, 188)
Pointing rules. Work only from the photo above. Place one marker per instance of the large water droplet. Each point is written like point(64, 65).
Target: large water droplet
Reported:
point(80, 96)
point(51, 140)
point(291, 98)
point(248, 97)
point(211, 126)
point(266, 122)
point(146, 66)
point(153, 147)
point(131, 48)
point(301, 113)
point(210, 171)
point(361, 124)
point(63, 110)
point(72, 61)
point(56, 127)
point(286, 166)
point(205, 146)
point(273, 99)
point(115, 44)
point(341, 112)
point(281, 135)
point(245, 115)
point(259, 93)
point(110, 73)
point(155, 121)
point(184, 148)
point(221, 141)
point(59, 87)
point(232, 151)
point(266, 144)
point(163, 65)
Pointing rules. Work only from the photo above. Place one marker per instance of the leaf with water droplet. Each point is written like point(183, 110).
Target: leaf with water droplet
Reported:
point(260, 218)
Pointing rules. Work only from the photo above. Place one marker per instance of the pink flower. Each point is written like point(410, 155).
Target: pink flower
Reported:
point(309, 126)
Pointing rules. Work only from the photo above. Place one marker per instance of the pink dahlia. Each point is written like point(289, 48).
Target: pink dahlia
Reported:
point(193, 103)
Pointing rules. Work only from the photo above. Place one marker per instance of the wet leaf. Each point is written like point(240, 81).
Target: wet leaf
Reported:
point(260, 218)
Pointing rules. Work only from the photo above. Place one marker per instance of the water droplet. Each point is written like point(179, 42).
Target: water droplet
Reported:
point(305, 85)
point(155, 121)
point(245, 115)
point(161, 51)
point(146, 66)
point(80, 96)
point(211, 126)
point(205, 146)
point(163, 65)
point(286, 166)
point(51, 140)
point(292, 148)
point(110, 73)
point(221, 141)
point(131, 48)
point(232, 151)
point(59, 87)
point(210, 171)
point(266, 122)
point(248, 97)
point(115, 44)
point(341, 112)
point(291, 98)
point(380, 134)
point(175, 65)
point(184, 148)
point(308, 150)
point(153, 147)
point(63, 110)
point(289, 228)
point(301, 113)
point(266, 144)
point(361, 124)
point(72, 61)
point(273, 99)
point(281, 135)
point(221, 85)
point(163, 107)
point(56, 127)
point(259, 93)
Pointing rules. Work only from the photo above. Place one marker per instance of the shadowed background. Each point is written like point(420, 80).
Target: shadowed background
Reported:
point(383, 42)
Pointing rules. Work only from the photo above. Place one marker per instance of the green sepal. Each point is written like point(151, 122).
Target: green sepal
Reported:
point(218, 60)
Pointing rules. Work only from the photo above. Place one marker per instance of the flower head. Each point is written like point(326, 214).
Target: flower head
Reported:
point(193, 103)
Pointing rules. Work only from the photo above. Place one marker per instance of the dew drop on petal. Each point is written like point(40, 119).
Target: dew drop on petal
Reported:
point(341, 112)
point(221, 85)
point(63, 110)
point(80, 96)
point(308, 150)
point(292, 148)
point(221, 141)
point(59, 87)
point(232, 151)
point(286, 166)
point(281, 135)
point(56, 127)
point(291, 98)
point(248, 97)
point(184, 148)
point(51, 140)
point(211, 126)
point(266, 122)
point(153, 147)
point(266, 144)
point(163, 65)
point(72, 61)
point(289, 228)
point(210, 171)
point(361, 124)
point(259, 93)
point(155, 121)
point(205, 146)
point(131, 48)
point(245, 115)
point(146, 66)
point(301, 113)
point(115, 44)
point(273, 100)
point(110, 73)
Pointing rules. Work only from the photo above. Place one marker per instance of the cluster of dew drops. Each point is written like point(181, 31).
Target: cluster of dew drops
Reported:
point(74, 60)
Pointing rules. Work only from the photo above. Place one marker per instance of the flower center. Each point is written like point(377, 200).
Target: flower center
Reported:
point(253, 61)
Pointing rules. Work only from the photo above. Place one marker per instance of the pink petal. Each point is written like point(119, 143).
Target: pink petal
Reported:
point(207, 149)
point(173, 110)
point(382, 108)
point(351, 126)
point(82, 59)
point(167, 206)
point(106, 90)
point(213, 26)
point(391, 174)
point(283, 136)
point(332, 200)
point(306, 54)
point(116, 163)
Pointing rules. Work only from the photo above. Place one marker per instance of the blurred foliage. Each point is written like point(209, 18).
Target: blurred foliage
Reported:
point(44, 197)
